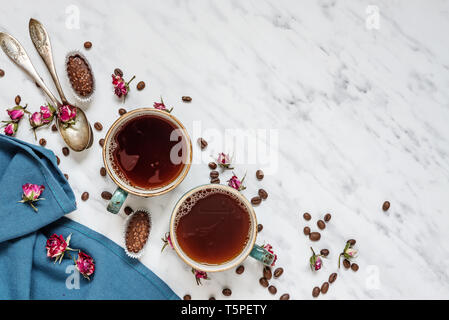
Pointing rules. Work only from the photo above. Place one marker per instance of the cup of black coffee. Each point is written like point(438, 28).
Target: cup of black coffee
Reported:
point(214, 228)
point(147, 152)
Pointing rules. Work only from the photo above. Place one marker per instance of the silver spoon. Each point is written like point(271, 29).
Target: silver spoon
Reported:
point(41, 41)
point(77, 136)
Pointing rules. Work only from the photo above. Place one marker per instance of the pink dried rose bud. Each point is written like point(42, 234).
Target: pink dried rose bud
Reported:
point(36, 120)
point(161, 106)
point(16, 113)
point(269, 248)
point(224, 160)
point(56, 246)
point(348, 252)
point(11, 129)
point(121, 88)
point(237, 184)
point(31, 194)
point(199, 275)
point(167, 241)
point(315, 261)
point(47, 112)
point(85, 265)
point(67, 114)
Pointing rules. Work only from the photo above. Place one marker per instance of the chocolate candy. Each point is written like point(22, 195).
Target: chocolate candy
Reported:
point(137, 231)
point(80, 75)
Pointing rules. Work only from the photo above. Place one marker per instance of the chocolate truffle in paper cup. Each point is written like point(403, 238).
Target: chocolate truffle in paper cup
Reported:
point(136, 233)
point(80, 76)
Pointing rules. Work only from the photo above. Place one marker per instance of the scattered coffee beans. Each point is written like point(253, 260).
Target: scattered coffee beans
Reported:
point(278, 272)
point(212, 298)
point(2, 73)
point(324, 252)
point(66, 176)
point(98, 126)
point(332, 277)
point(355, 267)
point(327, 217)
point(103, 171)
point(186, 99)
point(259, 174)
point(137, 232)
point(321, 224)
point(285, 296)
point(215, 180)
point(346, 263)
point(42, 142)
point(214, 174)
point(352, 242)
point(256, 200)
point(267, 273)
point(128, 210)
point(324, 287)
point(118, 72)
point(240, 269)
point(17, 100)
point(202, 143)
point(65, 151)
point(85, 196)
point(121, 111)
point(140, 86)
point(58, 161)
point(106, 195)
point(263, 282)
point(386, 206)
point(263, 194)
point(315, 236)
point(259, 227)
point(87, 44)
point(316, 292)
point(272, 289)
point(187, 297)
point(54, 128)
point(212, 165)
point(101, 142)
point(306, 231)
point(227, 292)
point(307, 216)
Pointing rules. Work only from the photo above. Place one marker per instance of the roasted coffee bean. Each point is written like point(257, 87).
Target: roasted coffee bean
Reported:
point(306, 231)
point(212, 165)
point(307, 216)
point(315, 236)
point(121, 111)
point(278, 272)
point(187, 297)
point(324, 287)
point(332, 277)
point(324, 252)
point(263, 282)
point(267, 273)
point(66, 176)
point(54, 128)
point(327, 217)
point(98, 126)
point(259, 174)
point(17, 100)
point(346, 263)
point(215, 180)
point(256, 200)
point(285, 296)
point(316, 292)
point(214, 174)
point(240, 269)
point(272, 289)
point(140, 85)
point(2, 73)
point(202, 143)
point(352, 242)
point(128, 210)
point(212, 298)
point(101, 142)
point(186, 98)
point(259, 227)
point(65, 151)
point(103, 171)
point(355, 267)
point(58, 161)
point(85, 196)
point(386, 206)
point(263, 194)
point(42, 142)
point(106, 195)
point(87, 44)
point(227, 292)
point(321, 224)
point(118, 72)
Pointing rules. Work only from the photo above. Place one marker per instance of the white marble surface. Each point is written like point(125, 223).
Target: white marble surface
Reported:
point(361, 114)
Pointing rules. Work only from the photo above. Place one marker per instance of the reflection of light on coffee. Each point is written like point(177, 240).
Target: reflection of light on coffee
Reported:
point(128, 161)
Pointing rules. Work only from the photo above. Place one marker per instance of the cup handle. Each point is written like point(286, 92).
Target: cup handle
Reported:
point(262, 255)
point(117, 200)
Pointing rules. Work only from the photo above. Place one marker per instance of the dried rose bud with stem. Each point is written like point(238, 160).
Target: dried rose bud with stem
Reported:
point(348, 252)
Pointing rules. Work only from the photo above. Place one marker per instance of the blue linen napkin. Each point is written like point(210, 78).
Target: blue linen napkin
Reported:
point(25, 270)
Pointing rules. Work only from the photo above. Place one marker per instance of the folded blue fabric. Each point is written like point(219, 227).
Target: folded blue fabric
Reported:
point(25, 270)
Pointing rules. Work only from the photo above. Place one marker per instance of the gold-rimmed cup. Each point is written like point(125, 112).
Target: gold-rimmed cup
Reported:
point(125, 187)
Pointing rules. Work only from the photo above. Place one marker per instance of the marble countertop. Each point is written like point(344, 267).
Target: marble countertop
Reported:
point(344, 104)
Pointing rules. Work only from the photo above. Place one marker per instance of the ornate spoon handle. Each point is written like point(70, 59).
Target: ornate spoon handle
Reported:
point(18, 55)
point(41, 41)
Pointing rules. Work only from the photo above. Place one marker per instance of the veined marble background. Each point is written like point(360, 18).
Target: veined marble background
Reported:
point(357, 106)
